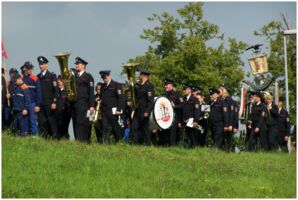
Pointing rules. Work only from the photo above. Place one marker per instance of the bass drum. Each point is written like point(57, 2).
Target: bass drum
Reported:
point(162, 116)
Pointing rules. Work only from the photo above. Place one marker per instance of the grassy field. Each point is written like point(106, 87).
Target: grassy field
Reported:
point(33, 167)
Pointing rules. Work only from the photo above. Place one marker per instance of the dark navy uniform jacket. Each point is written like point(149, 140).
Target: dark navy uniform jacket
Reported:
point(258, 115)
point(145, 97)
point(21, 98)
point(219, 112)
point(272, 116)
point(49, 88)
point(284, 126)
point(33, 84)
point(85, 88)
point(112, 96)
point(191, 109)
point(177, 99)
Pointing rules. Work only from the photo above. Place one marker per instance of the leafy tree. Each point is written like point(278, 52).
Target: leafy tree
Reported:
point(273, 34)
point(178, 51)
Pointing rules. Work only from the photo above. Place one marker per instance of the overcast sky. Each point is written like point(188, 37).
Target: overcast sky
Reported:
point(106, 34)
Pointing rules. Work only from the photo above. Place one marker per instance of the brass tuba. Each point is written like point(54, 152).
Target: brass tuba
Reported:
point(131, 76)
point(68, 76)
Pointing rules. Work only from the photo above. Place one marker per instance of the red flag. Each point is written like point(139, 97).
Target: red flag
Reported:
point(4, 53)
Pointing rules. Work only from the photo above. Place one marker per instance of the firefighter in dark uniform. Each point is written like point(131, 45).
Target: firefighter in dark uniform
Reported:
point(62, 111)
point(33, 84)
point(4, 100)
point(176, 100)
point(84, 102)
point(203, 120)
point(219, 118)
point(230, 104)
point(98, 125)
point(259, 126)
point(284, 126)
point(112, 106)
point(248, 119)
point(272, 121)
point(49, 94)
point(145, 100)
point(20, 96)
point(190, 111)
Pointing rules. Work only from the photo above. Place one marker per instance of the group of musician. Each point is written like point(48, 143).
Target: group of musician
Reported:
point(38, 105)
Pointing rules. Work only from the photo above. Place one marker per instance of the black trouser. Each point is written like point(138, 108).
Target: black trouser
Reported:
point(273, 136)
point(63, 120)
point(169, 136)
point(47, 122)
point(110, 123)
point(98, 131)
point(82, 127)
point(140, 128)
point(217, 130)
point(227, 140)
point(192, 135)
point(253, 139)
point(202, 136)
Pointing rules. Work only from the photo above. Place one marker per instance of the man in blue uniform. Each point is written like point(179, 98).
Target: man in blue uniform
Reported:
point(49, 90)
point(33, 84)
point(284, 126)
point(20, 104)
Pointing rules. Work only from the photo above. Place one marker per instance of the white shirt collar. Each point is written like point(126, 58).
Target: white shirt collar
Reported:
point(80, 73)
point(44, 73)
point(187, 98)
point(109, 82)
point(258, 103)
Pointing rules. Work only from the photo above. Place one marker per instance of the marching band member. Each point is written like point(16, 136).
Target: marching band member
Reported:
point(203, 122)
point(49, 90)
point(284, 126)
point(83, 103)
point(258, 126)
point(219, 118)
point(272, 121)
point(176, 101)
point(145, 97)
point(62, 111)
point(112, 106)
point(98, 125)
point(190, 111)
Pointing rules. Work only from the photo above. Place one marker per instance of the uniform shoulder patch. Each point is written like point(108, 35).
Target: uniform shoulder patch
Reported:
point(55, 83)
point(149, 94)
point(263, 113)
point(119, 92)
point(225, 109)
point(24, 87)
point(91, 83)
point(33, 77)
point(232, 107)
point(197, 106)
point(288, 119)
point(181, 99)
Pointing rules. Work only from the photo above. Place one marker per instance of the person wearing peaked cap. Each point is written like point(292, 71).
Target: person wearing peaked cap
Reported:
point(80, 61)
point(62, 111)
point(219, 118)
point(272, 121)
point(84, 104)
point(144, 72)
point(42, 60)
point(104, 73)
point(145, 95)
point(190, 111)
point(249, 106)
point(12, 70)
point(34, 86)
point(20, 105)
point(98, 125)
point(112, 106)
point(284, 126)
point(47, 122)
point(259, 126)
point(170, 136)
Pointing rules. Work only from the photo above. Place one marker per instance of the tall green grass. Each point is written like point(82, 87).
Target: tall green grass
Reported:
point(34, 167)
